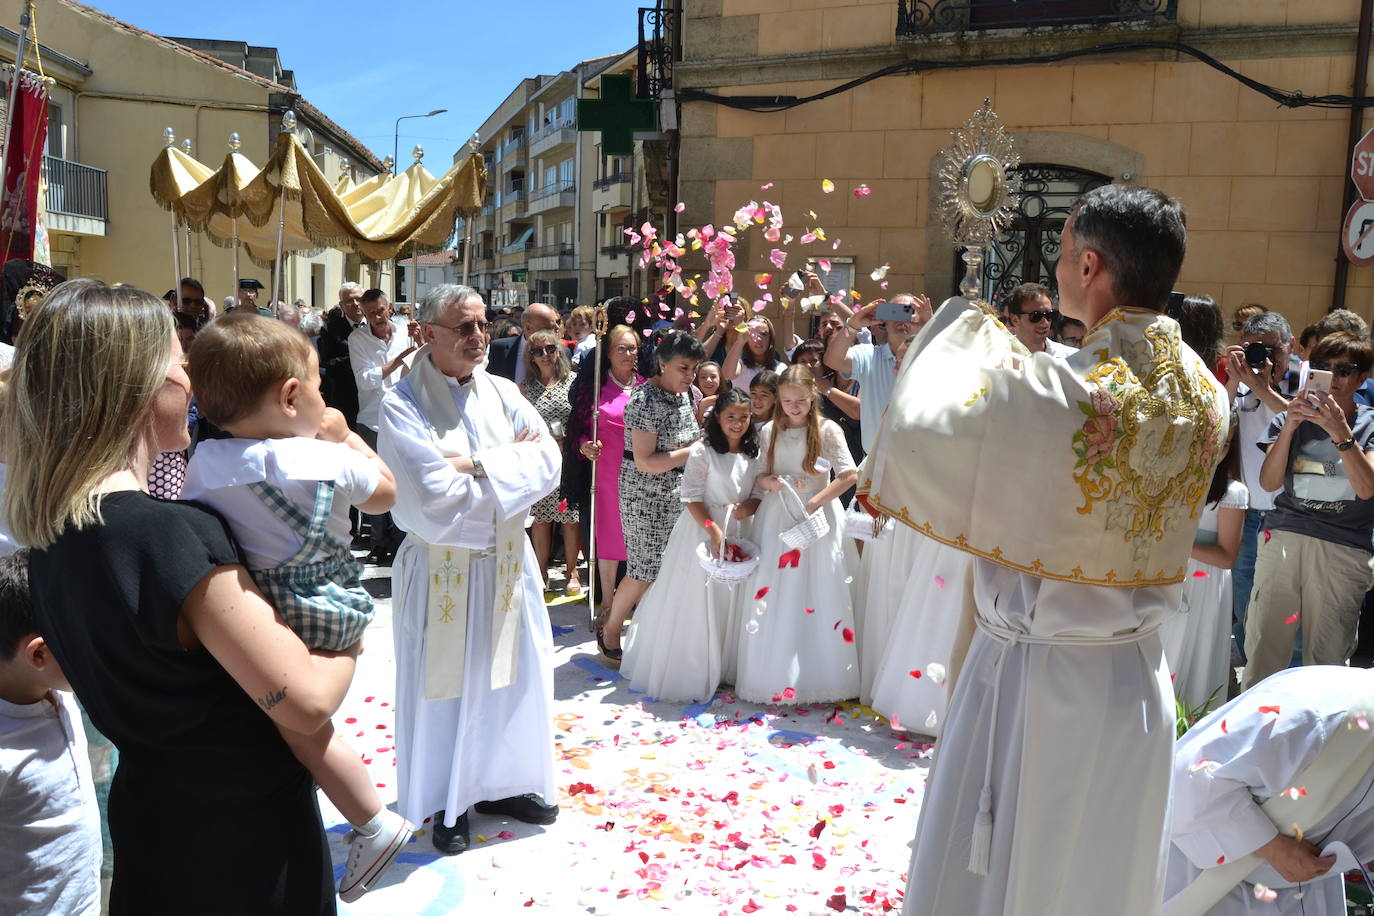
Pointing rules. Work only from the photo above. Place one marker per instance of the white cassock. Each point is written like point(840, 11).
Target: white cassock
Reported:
point(1092, 785)
point(486, 744)
point(1220, 777)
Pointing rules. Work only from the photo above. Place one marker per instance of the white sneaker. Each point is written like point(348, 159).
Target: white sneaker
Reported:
point(371, 856)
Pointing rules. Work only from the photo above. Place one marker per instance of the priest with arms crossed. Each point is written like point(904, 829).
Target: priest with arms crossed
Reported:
point(474, 681)
point(1050, 784)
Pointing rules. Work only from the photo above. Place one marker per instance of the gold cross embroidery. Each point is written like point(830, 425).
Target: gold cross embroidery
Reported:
point(446, 607)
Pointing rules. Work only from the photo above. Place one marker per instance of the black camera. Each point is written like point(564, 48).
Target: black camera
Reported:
point(1256, 354)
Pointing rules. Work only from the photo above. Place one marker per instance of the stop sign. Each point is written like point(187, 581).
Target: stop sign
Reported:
point(1362, 166)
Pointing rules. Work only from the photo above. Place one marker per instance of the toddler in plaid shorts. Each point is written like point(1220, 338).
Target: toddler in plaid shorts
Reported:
point(284, 483)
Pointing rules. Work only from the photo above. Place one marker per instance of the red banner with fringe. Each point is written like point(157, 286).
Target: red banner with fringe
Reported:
point(28, 136)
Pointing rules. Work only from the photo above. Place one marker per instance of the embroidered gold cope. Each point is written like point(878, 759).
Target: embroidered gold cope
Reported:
point(1091, 469)
point(450, 576)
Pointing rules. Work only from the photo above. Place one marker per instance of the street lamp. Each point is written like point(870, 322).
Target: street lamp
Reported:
point(396, 140)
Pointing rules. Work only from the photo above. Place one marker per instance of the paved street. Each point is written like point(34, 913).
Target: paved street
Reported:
point(721, 807)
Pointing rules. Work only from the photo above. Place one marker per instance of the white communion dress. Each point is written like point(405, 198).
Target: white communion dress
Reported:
point(1197, 640)
point(796, 642)
point(681, 644)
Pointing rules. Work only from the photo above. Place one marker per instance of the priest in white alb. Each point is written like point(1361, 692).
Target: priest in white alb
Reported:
point(1050, 783)
point(1274, 798)
point(474, 673)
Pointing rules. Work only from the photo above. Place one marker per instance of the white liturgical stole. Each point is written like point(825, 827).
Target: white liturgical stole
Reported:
point(1089, 469)
point(450, 568)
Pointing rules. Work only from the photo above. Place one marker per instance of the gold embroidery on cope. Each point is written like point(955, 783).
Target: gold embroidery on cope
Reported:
point(1147, 444)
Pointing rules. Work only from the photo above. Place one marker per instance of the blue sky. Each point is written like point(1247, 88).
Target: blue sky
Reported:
point(366, 64)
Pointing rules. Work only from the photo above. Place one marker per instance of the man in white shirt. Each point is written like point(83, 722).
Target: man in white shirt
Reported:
point(377, 351)
point(1030, 315)
point(874, 367)
point(1259, 398)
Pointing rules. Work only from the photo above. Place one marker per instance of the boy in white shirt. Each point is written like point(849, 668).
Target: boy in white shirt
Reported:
point(50, 845)
point(284, 483)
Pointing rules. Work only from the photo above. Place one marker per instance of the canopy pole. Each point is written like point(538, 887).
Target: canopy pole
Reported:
point(414, 272)
point(599, 323)
point(21, 52)
point(467, 252)
point(170, 138)
point(288, 126)
point(236, 258)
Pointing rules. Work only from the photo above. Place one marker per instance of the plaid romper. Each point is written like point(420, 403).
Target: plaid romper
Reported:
point(323, 602)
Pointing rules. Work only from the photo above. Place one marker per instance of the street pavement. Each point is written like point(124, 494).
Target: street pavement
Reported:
point(721, 807)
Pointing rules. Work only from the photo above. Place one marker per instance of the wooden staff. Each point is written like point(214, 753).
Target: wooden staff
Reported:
point(599, 320)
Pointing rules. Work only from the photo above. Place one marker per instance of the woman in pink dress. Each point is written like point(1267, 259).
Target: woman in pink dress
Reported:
point(619, 350)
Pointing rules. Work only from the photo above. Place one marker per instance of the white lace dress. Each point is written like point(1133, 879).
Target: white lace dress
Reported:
point(800, 633)
point(681, 644)
point(1197, 640)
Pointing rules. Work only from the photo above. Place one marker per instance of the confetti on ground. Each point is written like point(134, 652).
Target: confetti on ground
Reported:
point(714, 807)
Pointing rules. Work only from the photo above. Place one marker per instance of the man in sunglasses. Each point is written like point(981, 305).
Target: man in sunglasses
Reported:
point(1258, 375)
point(1031, 317)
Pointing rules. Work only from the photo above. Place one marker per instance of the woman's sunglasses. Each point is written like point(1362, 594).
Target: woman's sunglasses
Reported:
point(1339, 370)
point(547, 350)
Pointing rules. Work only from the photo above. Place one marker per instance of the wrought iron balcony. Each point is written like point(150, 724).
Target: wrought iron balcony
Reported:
point(75, 189)
point(614, 251)
point(917, 18)
point(602, 184)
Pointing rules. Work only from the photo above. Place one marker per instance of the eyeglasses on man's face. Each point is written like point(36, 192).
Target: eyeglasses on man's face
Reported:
point(465, 328)
point(1039, 315)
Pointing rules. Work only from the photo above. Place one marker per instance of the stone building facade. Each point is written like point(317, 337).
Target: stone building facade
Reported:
point(1263, 185)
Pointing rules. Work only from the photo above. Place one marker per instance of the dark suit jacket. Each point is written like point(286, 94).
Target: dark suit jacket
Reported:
point(502, 356)
point(338, 386)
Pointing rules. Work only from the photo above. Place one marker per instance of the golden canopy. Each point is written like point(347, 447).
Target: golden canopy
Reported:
point(374, 219)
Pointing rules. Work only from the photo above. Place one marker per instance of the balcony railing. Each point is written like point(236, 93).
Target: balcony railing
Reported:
point(555, 127)
point(602, 184)
point(614, 251)
point(555, 188)
point(75, 189)
point(916, 18)
point(564, 249)
point(516, 247)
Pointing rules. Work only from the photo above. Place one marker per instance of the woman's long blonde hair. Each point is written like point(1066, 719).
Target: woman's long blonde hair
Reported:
point(801, 377)
point(88, 366)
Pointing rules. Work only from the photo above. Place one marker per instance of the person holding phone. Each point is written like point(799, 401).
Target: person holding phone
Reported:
point(1313, 567)
point(874, 366)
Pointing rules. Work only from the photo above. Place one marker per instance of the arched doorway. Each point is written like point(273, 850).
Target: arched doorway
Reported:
point(1029, 250)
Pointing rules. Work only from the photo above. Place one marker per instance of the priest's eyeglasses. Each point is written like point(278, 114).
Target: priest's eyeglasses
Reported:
point(467, 328)
point(1339, 370)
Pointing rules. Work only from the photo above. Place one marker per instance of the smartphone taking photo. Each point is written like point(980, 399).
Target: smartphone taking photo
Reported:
point(894, 311)
point(1318, 382)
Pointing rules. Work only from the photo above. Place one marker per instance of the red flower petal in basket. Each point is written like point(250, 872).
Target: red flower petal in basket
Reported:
point(760, 593)
point(791, 558)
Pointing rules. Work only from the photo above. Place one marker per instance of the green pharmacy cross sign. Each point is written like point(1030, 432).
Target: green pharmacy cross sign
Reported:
point(617, 114)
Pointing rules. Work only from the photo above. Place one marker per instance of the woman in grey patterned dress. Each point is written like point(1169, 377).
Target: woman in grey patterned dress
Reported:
point(548, 376)
point(662, 428)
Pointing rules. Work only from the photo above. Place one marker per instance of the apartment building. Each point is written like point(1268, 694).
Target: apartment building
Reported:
point(553, 226)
